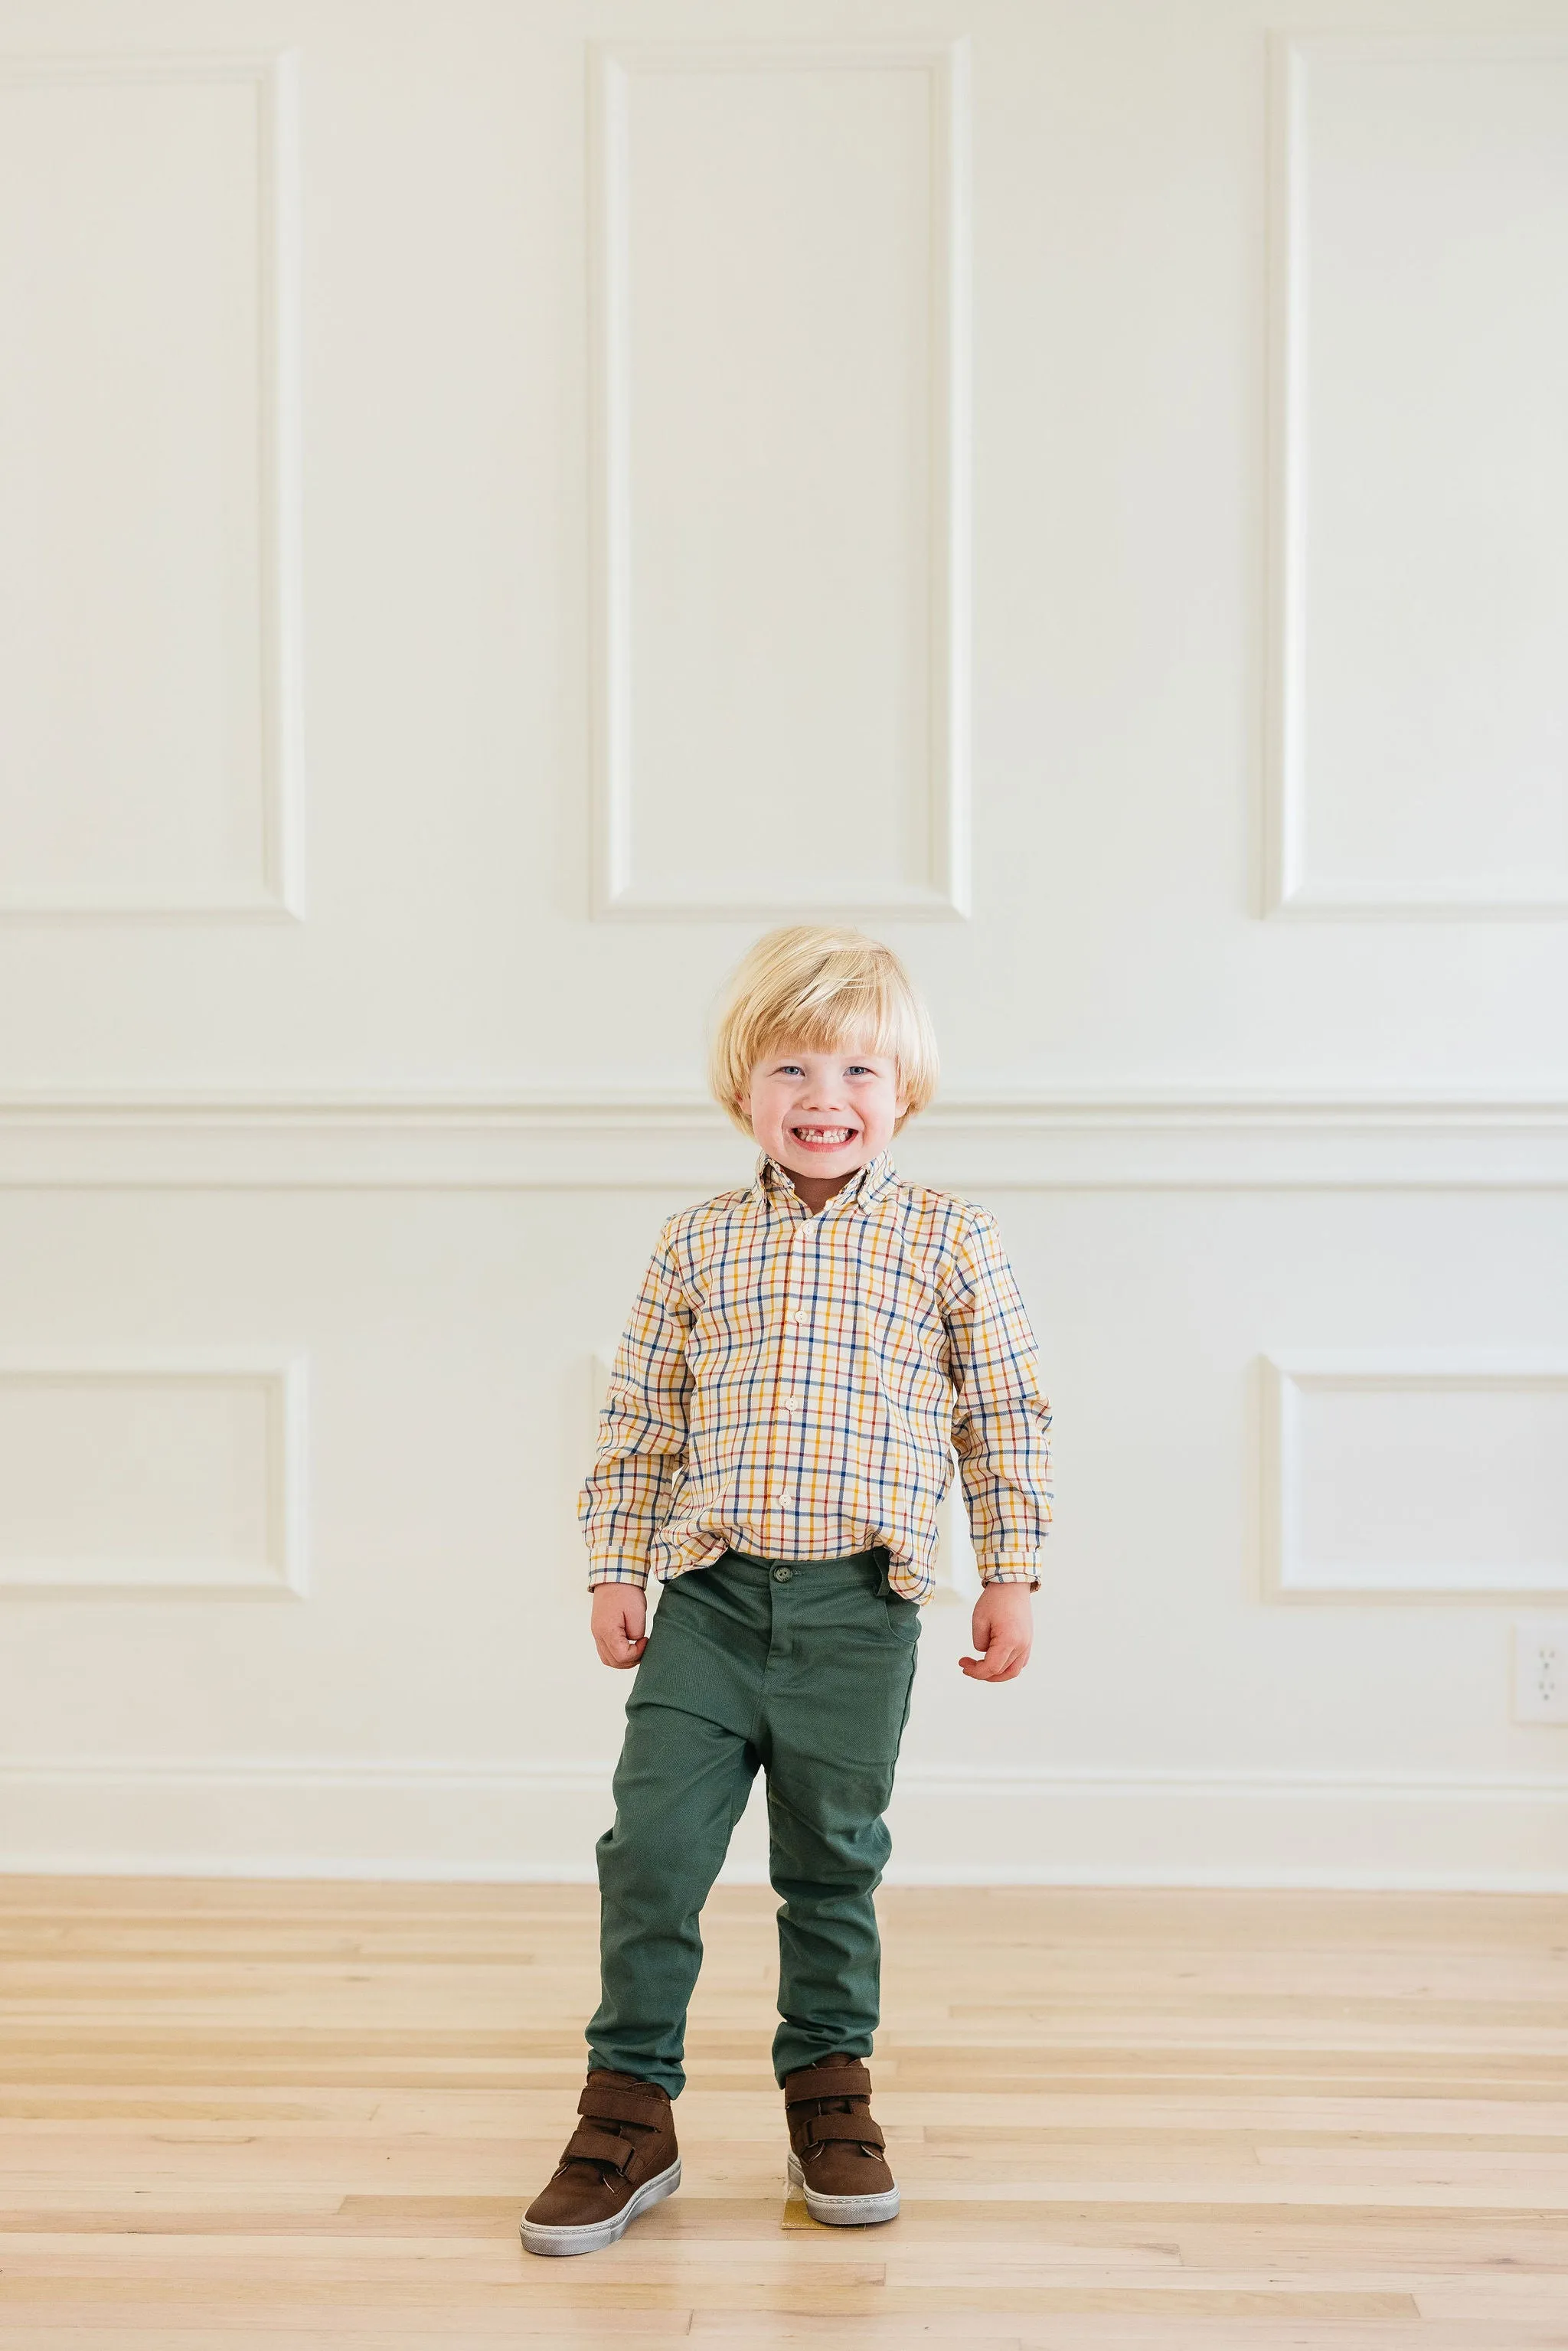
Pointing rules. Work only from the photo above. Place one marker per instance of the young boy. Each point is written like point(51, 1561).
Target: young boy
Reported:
point(806, 1355)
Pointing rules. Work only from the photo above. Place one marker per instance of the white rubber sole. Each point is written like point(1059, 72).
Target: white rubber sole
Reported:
point(843, 2211)
point(590, 2236)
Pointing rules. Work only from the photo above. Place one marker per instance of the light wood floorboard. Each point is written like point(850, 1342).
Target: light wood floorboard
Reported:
point(278, 2117)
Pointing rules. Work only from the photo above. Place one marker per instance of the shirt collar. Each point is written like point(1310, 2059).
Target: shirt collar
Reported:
point(861, 1190)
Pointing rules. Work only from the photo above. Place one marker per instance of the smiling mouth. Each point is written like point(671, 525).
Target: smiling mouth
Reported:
point(824, 1138)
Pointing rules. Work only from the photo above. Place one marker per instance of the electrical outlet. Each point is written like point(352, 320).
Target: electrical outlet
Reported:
point(1540, 1670)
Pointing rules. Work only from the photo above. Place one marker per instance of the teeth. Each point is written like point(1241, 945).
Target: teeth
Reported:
point(823, 1133)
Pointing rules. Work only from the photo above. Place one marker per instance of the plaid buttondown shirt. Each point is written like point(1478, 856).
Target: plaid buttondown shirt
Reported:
point(795, 1386)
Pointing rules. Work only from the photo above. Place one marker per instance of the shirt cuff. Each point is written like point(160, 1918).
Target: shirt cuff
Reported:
point(1012, 1570)
point(617, 1571)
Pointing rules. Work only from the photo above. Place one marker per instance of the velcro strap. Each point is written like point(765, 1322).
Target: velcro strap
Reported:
point(826, 2127)
point(612, 2105)
point(826, 2082)
point(599, 2147)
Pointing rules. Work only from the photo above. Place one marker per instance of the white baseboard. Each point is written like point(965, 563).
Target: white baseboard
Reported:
point(537, 1823)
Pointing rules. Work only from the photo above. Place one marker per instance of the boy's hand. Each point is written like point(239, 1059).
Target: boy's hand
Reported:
point(1003, 1632)
point(620, 1623)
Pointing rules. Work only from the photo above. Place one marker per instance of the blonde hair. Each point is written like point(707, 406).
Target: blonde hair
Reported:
point(823, 990)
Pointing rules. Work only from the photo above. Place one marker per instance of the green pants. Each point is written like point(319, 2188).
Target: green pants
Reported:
point(804, 1669)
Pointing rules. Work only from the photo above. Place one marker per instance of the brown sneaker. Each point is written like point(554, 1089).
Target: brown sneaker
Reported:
point(621, 2159)
point(835, 2148)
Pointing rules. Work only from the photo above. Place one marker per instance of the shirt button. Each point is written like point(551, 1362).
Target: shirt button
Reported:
point(783, 1498)
point(780, 1575)
point(790, 1403)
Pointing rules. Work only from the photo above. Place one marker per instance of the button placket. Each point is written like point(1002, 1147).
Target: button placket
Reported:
point(788, 1399)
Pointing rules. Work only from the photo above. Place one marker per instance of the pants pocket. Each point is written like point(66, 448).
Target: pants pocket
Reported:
point(903, 1618)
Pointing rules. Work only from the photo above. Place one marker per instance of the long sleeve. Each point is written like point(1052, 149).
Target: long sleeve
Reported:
point(641, 1430)
point(1001, 1420)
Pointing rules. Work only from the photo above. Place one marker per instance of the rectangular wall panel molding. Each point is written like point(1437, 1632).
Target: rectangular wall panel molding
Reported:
point(1426, 1478)
point(152, 1475)
point(150, 623)
point(780, 526)
point(1418, 699)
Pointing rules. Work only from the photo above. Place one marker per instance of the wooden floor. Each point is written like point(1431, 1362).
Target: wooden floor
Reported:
point(262, 2116)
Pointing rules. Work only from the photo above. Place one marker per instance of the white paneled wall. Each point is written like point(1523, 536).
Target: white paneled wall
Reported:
point(148, 503)
point(167, 1474)
point(1421, 241)
point(1372, 1489)
point(1081, 491)
point(780, 381)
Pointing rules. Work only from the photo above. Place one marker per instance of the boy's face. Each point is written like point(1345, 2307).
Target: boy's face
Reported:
point(823, 1114)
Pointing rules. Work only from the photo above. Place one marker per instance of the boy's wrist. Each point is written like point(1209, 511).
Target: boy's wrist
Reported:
point(636, 1577)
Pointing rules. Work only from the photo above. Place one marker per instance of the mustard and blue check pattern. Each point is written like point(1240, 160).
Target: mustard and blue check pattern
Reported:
point(797, 1387)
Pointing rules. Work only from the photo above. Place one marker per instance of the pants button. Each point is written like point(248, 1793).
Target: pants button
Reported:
point(780, 1575)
